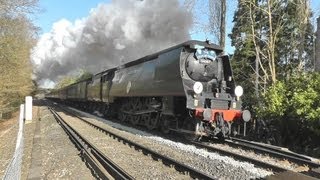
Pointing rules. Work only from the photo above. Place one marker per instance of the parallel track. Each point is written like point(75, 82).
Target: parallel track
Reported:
point(194, 173)
point(277, 169)
point(274, 151)
point(103, 167)
point(256, 147)
point(313, 172)
point(240, 157)
point(278, 152)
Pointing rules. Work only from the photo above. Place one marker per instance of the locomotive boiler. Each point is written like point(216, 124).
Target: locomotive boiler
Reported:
point(187, 88)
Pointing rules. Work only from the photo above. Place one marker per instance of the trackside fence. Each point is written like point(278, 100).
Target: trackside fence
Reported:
point(13, 170)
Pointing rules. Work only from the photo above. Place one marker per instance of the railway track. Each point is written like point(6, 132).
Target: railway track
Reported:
point(279, 152)
point(96, 160)
point(314, 168)
point(273, 151)
point(102, 166)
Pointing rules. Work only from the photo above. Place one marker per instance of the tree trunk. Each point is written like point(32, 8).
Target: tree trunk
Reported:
point(257, 72)
point(271, 43)
point(223, 24)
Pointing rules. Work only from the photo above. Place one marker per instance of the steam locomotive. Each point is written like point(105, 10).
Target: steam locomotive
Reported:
point(188, 88)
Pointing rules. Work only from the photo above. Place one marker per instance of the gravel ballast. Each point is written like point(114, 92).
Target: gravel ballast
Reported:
point(132, 161)
point(214, 164)
point(58, 158)
point(54, 156)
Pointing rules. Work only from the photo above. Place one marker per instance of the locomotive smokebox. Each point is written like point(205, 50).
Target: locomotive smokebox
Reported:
point(202, 66)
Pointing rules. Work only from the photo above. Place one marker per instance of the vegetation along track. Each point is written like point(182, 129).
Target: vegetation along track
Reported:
point(167, 162)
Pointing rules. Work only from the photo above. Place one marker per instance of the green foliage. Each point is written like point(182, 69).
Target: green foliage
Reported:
point(68, 80)
point(84, 75)
point(293, 41)
point(305, 97)
point(296, 100)
point(276, 101)
point(17, 36)
point(65, 81)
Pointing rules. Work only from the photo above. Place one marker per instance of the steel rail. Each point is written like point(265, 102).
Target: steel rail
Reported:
point(279, 170)
point(104, 167)
point(272, 147)
point(194, 173)
point(238, 156)
point(273, 151)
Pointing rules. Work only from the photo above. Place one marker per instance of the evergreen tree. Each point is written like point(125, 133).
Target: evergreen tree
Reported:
point(273, 39)
point(273, 61)
point(243, 60)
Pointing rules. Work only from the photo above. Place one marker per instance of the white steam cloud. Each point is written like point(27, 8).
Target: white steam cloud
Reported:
point(112, 34)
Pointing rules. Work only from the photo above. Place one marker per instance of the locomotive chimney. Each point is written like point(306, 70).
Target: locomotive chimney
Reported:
point(317, 48)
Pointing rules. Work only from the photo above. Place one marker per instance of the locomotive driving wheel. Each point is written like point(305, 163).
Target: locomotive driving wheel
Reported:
point(195, 127)
point(223, 127)
point(123, 111)
point(135, 106)
point(165, 124)
point(134, 119)
point(121, 115)
point(152, 120)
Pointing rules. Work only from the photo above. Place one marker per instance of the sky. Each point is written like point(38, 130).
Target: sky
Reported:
point(71, 10)
point(102, 35)
point(55, 10)
point(95, 35)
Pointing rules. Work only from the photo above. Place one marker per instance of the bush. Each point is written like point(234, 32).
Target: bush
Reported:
point(297, 98)
point(293, 108)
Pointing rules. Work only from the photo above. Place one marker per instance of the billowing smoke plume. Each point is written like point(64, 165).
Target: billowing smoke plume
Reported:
point(112, 34)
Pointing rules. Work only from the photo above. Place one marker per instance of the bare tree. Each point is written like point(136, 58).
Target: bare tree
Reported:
point(15, 8)
point(303, 17)
point(209, 18)
point(189, 4)
point(17, 36)
point(223, 23)
point(217, 20)
point(268, 38)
